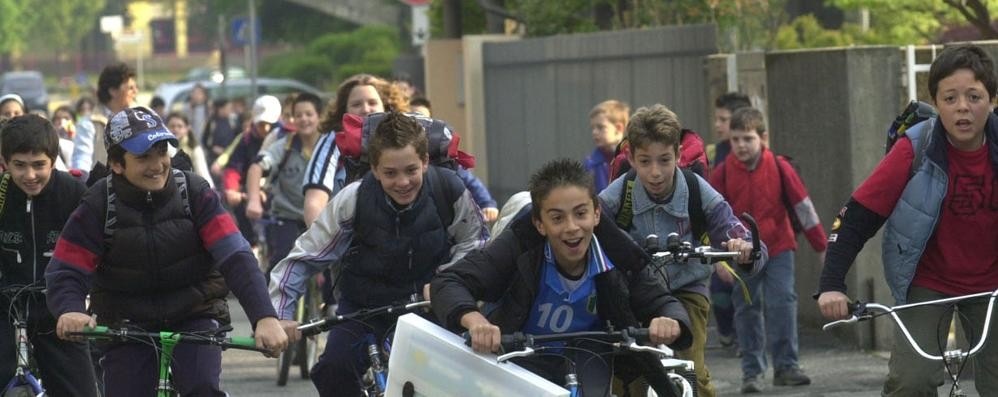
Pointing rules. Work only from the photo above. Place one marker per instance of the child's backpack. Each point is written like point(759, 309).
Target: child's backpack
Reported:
point(442, 151)
point(794, 219)
point(916, 112)
point(111, 213)
point(692, 160)
point(698, 220)
point(691, 156)
point(357, 130)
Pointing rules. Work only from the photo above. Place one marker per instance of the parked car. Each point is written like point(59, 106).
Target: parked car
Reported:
point(30, 86)
point(201, 74)
point(176, 95)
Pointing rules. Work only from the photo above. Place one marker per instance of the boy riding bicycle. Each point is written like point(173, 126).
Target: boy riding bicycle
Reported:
point(564, 283)
point(35, 201)
point(663, 200)
point(155, 250)
point(388, 236)
point(935, 190)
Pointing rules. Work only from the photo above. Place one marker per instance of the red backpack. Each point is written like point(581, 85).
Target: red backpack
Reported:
point(352, 142)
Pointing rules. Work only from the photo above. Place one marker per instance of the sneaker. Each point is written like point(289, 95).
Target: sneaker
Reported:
point(752, 384)
point(792, 376)
point(726, 340)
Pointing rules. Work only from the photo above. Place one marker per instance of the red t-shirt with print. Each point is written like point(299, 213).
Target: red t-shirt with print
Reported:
point(961, 256)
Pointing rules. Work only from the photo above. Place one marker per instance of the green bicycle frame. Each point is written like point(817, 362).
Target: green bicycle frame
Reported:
point(168, 340)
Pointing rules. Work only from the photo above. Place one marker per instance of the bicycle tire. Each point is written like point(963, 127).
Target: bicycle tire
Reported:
point(19, 391)
point(691, 378)
point(284, 365)
point(309, 349)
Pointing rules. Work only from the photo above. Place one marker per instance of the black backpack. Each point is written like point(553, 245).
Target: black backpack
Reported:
point(698, 220)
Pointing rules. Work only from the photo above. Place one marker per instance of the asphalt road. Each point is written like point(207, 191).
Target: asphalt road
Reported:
point(835, 371)
point(246, 373)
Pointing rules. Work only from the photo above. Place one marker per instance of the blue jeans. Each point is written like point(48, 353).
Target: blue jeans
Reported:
point(775, 300)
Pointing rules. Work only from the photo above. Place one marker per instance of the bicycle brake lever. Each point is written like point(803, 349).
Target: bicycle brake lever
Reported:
point(527, 351)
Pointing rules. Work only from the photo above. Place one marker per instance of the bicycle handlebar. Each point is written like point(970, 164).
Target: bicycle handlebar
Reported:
point(198, 338)
point(683, 251)
point(319, 326)
point(861, 312)
point(520, 344)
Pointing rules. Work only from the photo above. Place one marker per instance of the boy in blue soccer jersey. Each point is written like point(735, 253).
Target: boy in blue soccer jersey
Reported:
point(565, 283)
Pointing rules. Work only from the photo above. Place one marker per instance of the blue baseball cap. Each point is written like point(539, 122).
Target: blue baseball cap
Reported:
point(137, 130)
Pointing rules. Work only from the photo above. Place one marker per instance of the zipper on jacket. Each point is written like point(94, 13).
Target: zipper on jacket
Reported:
point(34, 244)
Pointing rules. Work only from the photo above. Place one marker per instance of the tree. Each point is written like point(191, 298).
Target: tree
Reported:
point(60, 24)
point(331, 58)
point(919, 21)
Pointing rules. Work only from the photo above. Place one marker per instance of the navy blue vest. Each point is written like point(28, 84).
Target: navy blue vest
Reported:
point(394, 252)
point(155, 270)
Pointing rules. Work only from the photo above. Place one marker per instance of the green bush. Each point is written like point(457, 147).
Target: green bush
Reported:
point(330, 58)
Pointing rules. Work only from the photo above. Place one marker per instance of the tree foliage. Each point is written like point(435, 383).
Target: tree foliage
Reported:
point(50, 24)
point(330, 58)
point(919, 21)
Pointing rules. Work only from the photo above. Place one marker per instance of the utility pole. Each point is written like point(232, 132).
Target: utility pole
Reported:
point(252, 48)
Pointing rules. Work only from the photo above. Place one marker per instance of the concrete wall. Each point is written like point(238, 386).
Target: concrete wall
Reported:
point(455, 86)
point(539, 91)
point(830, 109)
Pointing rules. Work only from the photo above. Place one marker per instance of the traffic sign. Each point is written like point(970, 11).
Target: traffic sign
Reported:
point(241, 31)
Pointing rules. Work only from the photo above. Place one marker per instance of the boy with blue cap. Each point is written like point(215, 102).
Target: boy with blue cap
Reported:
point(155, 250)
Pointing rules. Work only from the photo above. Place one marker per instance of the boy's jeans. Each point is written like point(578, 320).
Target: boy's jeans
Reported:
point(772, 289)
point(911, 374)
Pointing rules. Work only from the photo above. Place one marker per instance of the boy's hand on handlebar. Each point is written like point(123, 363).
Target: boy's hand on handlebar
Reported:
point(834, 305)
point(744, 249)
point(73, 322)
point(485, 337)
point(291, 330)
point(270, 335)
point(663, 331)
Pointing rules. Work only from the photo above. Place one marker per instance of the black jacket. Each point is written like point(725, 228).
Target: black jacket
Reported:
point(507, 272)
point(28, 233)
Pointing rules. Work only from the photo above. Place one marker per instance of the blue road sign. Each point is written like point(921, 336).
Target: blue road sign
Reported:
point(241, 31)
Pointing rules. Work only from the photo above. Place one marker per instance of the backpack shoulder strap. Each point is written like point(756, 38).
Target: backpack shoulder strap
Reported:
point(111, 213)
point(698, 220)
point(625, 214)
point(4, 185)
point(783, 185)
point(110, 209)
point(919, 143)
point(180, 178)
point(444, 194)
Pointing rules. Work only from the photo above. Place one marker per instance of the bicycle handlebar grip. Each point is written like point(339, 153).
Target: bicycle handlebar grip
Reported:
point(247, 341)
point(100, 329)
point(639, 334)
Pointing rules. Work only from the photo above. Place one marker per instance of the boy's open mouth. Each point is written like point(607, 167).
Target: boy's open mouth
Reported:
point(573, 243)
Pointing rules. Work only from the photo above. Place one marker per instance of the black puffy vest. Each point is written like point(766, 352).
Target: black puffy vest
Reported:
point(395, 252)
point(155, 271)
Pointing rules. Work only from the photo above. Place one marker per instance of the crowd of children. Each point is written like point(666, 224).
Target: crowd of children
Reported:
point(177, 208)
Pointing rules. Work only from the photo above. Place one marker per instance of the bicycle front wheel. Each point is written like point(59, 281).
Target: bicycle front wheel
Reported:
point(308, 352)
point(284, 364)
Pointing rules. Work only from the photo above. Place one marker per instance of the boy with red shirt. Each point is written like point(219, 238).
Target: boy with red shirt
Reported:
point(936, 192)
point(754, 180)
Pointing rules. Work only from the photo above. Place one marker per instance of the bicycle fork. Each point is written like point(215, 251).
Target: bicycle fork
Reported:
point(377, 366)
point(168, 341)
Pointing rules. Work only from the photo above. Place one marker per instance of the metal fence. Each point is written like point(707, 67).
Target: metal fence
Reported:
point(538, 92)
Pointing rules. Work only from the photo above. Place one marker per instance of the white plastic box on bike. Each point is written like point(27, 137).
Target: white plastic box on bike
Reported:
point(438, 364)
